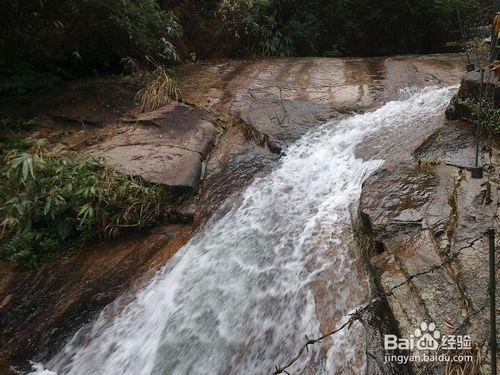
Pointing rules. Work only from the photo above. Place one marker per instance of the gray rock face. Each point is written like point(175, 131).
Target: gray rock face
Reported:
point(453, 144)
point(456, 110)
point(279, 99)
point(282, 99)
point(430, 223)
point(236, 161)
point(393, 204)
point(471, 86)
point(41, 308)
point(167, 146)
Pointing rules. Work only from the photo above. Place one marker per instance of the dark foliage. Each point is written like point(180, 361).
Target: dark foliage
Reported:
point(46, 40)
point(71, 37)
point(323, 27)
point(49, 203)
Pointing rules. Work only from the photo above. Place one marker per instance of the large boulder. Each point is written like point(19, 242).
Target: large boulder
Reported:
point(167, 146)
point(474, 85)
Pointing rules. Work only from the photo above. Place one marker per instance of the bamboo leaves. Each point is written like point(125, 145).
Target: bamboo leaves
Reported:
point(50, 202)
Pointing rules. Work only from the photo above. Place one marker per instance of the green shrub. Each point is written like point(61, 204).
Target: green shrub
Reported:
point(325, 27)
point(52, 203)
point(11, 135)
point(479, 51)
point(483, 112)
point(87, 36)
point(21, 79)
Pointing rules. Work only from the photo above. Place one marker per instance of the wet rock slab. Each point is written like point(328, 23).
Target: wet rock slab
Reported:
point(284, 98)
point(101, 116)
point(278, 99)
point(452, 144)
point(429, 223)
point(392, 201)
point(40, 309)
point(238, 159)
point(167, 146)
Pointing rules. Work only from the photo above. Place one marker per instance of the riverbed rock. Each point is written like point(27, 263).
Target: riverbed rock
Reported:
point(431, 255)
point(453, 144)
point(239, 158)
point(40, 309)
point(473, 85)
point(167, 146)
point(457, 110)
point(277, 99)
point(284, 98)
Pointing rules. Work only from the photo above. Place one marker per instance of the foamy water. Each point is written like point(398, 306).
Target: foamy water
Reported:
point(239, 297)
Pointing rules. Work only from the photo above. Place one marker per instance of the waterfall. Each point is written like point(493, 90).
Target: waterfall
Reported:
point(241, 295)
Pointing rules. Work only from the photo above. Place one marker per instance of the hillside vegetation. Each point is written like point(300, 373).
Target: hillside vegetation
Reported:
point(42, 42)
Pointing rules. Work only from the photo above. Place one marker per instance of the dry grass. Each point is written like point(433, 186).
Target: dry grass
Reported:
point(161, 90)
point(469, 367)
point(430, 161)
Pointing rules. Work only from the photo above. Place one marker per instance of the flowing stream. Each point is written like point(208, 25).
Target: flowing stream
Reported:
point(241, 295)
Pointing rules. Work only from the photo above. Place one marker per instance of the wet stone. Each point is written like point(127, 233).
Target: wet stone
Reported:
point(167, 146)
point(439, 267)
point(451, 144)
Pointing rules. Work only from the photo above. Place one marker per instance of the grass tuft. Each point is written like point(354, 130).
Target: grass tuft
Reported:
point(364, 239)
point(430, 161)
point(483, 112)
point(161, 90)
point(472, 365)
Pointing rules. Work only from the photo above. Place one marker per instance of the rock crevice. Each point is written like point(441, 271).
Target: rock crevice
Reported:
point(433, 216)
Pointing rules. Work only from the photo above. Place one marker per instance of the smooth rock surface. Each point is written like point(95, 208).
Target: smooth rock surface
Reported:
point(236, 162)
point(101, 116)
point(453, 144)
point(167, 146)
point(279, 99)
point(283, 98)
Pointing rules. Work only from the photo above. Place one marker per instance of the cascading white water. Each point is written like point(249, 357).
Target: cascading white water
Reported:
point(239, 297)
